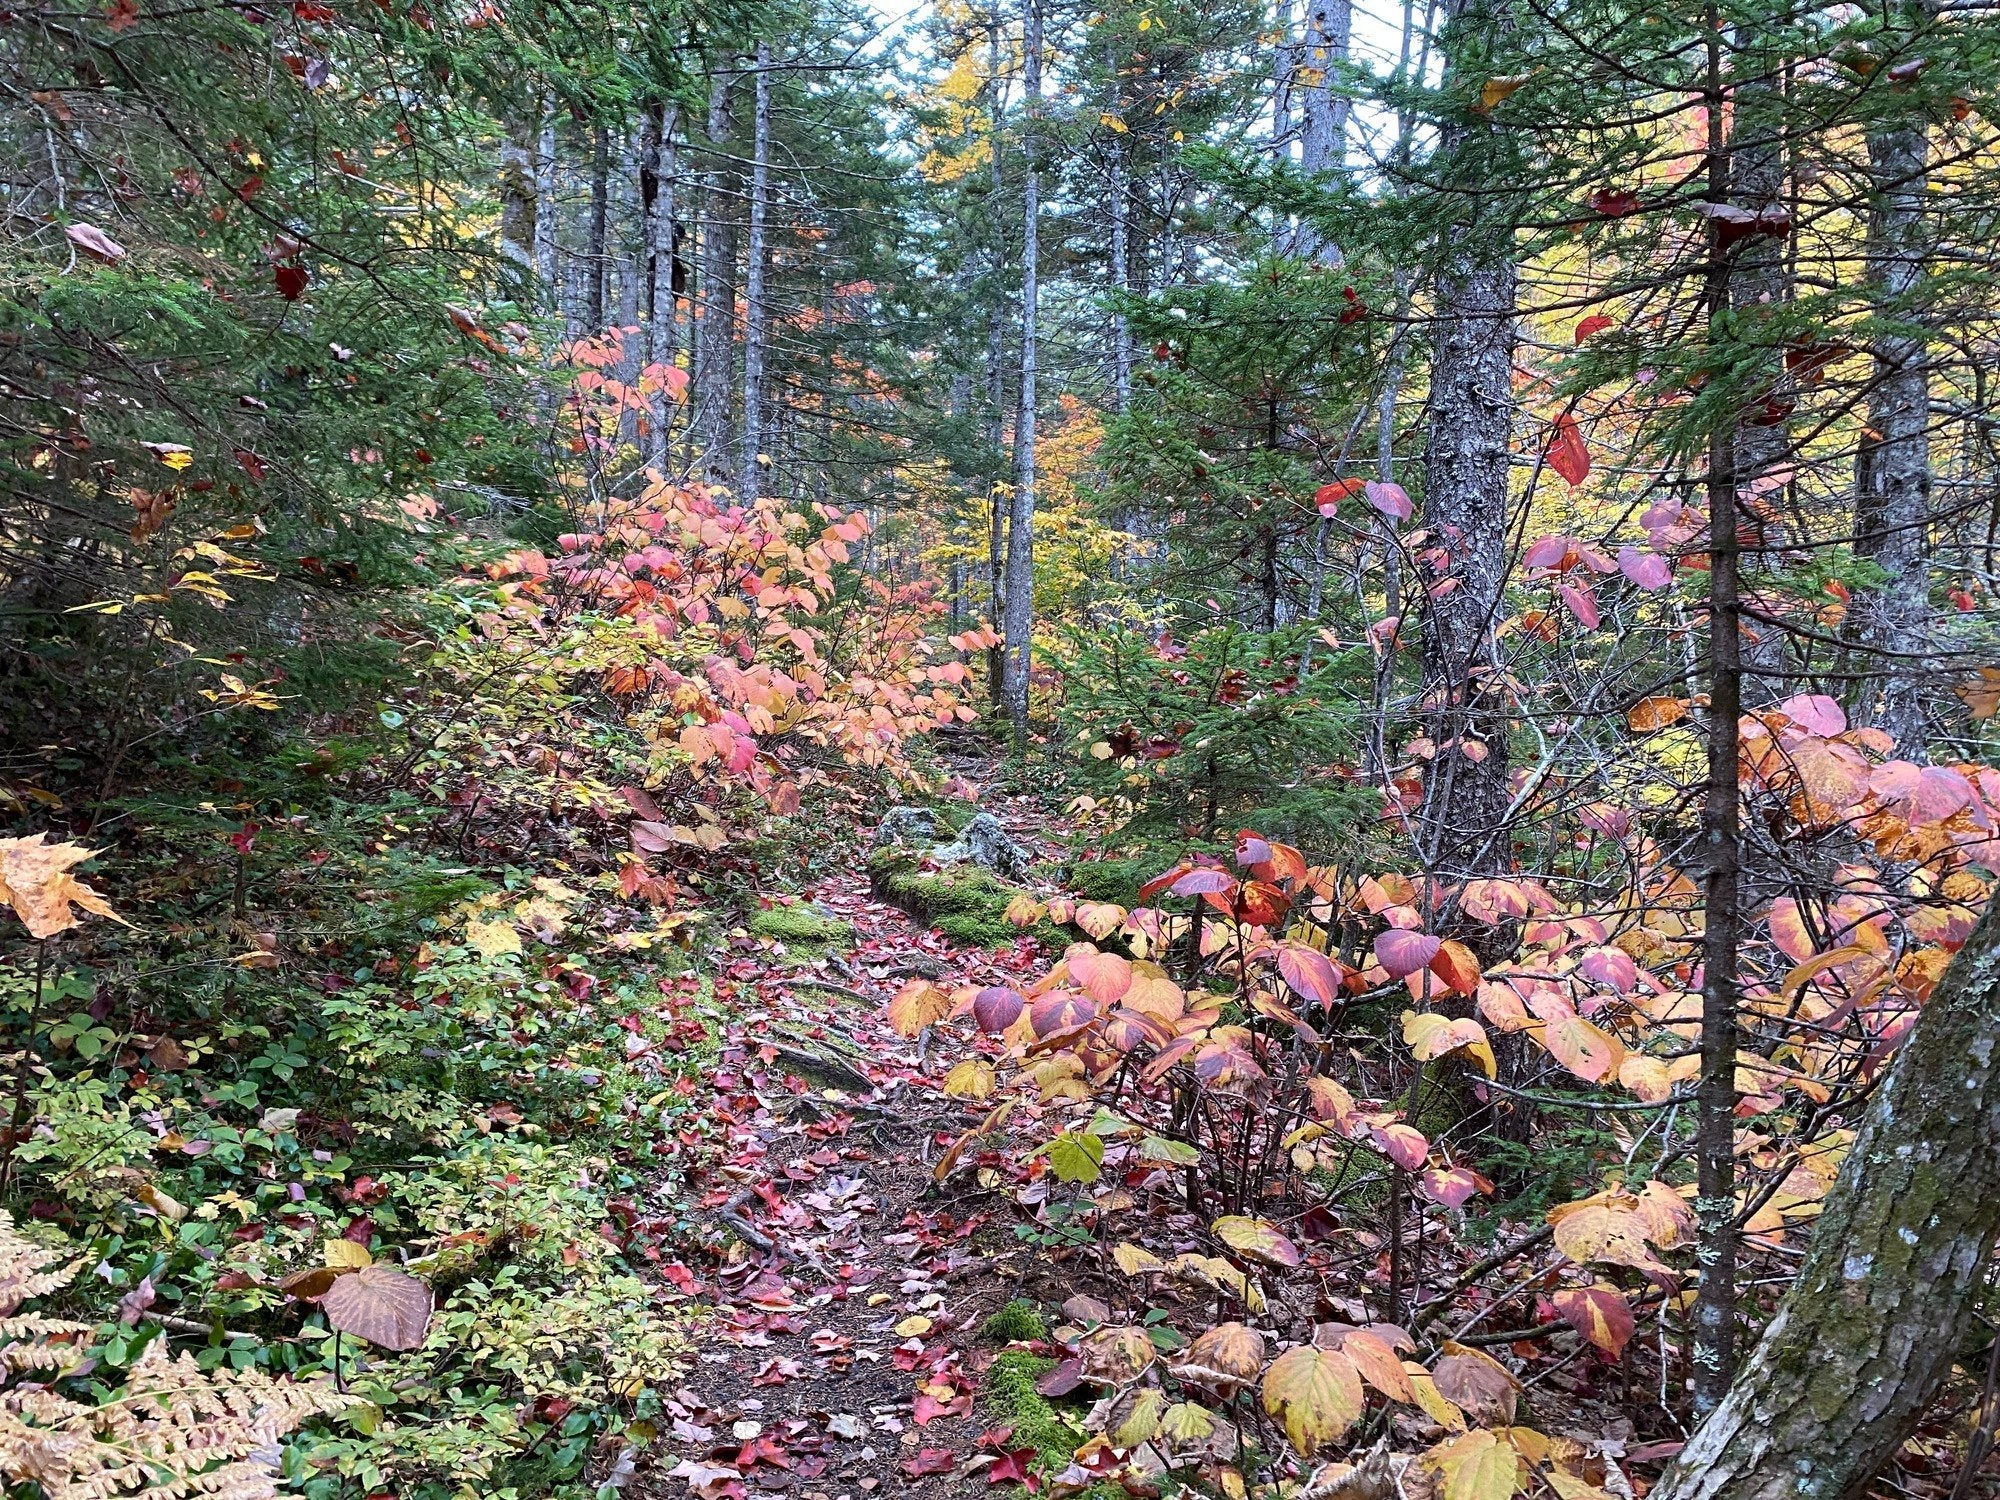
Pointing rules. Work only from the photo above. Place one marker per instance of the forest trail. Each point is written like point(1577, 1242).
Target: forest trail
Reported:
point(839, 1349)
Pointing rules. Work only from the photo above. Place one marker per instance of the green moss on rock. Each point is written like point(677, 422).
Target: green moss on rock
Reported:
point(967, 904)
point(800, 926)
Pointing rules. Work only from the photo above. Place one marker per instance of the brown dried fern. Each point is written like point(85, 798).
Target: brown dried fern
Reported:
point(174, 1430)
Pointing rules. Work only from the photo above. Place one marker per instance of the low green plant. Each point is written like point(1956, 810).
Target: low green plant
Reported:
point(1227, 728)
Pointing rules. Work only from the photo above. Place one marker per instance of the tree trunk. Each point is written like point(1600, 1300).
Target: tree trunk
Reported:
point(1884, 1302)
point(1893, 483)
point(1761, 285)
point(658, 194)
point(546, 206)
point(1019, 621)
point(519, 198)
point(715, 329)
point(1323, 127)
point(754, 319)
point(1461, 828)
point(1714, 1353)
point(595, 264)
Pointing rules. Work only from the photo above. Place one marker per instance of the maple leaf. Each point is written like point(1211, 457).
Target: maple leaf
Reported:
point(35, 881)
point(930, 1461)
point(1011, 1467)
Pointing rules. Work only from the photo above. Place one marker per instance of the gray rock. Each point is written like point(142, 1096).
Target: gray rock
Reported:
point(907, 825)
point(985, 842)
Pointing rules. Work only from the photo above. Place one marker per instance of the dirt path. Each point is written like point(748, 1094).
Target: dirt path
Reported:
point(839, 1355)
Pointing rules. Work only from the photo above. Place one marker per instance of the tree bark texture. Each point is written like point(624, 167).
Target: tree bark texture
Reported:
point(1461, 823)
point(715, 328)
point(755, 318)
point(1893, 488)
point(597, 252)
point(1761, 284)
point(1883, 1304)
point(1018, 625)
point(519, 196)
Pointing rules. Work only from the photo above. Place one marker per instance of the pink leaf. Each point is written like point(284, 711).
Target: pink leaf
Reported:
point(1582, 603)
point(1404, 953)
point(1646, 569)
point(1390, 499)
point(1815, 713)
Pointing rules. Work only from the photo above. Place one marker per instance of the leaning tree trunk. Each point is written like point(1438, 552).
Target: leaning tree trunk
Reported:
point(1893, 485)
point(1885, 1300)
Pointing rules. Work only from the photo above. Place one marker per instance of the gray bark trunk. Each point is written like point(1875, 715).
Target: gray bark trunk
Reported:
point(1323, 124)
point(659, 203)
point(1897, 1264)
point(519, 198)
point(1761, 284)
point(715, 330)
point(754, 317)
point(1461, 823)
point(1019, 611)
point(545, 198)
point(1893, 488)
point(596, 262)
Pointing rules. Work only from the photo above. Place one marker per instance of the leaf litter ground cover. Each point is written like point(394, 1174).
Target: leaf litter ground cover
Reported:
point(841, 1356)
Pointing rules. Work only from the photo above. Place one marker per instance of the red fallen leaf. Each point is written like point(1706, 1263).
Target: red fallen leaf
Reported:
point(122, 14)
point(249, 187)
point(1566, 452)
point(290, 282)
point(926, 1408)
point(764, 1450)
point(1595, 323)
point(1063, 1379)
point(1614, 203)
point(251, 464)
point(682, 1278)
point(1316, 1223)
point(930, 1461)
point(1011, 1467)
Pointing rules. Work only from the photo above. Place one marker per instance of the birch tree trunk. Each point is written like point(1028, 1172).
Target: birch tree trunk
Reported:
point(1018, 624)
point(1885, 1299)
point(754, 315)
point(1893, 482)
point(1461, 822)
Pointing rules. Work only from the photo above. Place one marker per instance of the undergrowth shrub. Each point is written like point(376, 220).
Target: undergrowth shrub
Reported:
point(1178, 739)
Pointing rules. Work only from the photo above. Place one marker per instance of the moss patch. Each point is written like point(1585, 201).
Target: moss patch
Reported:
point(800, 926)
point(967, 904)
point(1020, 1321)
point(1010, 1391)
point(1114, 879)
